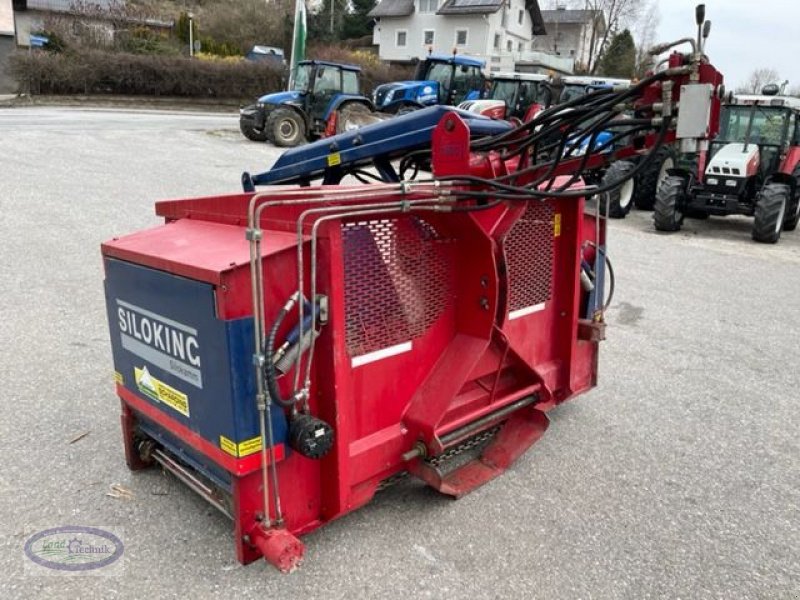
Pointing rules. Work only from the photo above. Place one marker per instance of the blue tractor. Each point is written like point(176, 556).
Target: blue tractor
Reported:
point(446, 79)
point(292, 117)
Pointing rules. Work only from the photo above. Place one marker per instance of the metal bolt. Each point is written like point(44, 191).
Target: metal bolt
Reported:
point(449, 125)
point(484, 303)
point(485, 281)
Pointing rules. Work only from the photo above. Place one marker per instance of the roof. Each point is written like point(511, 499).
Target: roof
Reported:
point(521, 76)
point(392, 8)
point(404, 8)
point(564, 17)
point(466, 7)
point(458, 59)
point(329, 63)
point(482, 7)
point(778, 101)
point(6, 18)
point(591, 80)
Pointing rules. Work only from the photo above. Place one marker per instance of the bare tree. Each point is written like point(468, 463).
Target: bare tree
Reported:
point(645, 35)
point(608, 17)
point(757, 80)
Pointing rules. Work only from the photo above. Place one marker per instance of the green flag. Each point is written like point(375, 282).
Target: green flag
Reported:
point(298, 39)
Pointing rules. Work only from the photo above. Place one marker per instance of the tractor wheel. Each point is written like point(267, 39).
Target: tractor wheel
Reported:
point(352, 116)
point(670, 202)
point(793, 213)
point(620, 198)
point(285, 127)
point(770, 212)
point(250, 132)
point(649, 180)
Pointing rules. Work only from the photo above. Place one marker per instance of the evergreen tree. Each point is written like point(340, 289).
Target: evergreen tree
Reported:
point(357, 23)
point(620, 58)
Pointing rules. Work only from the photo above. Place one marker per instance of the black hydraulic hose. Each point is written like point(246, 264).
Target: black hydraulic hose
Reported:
point(525, 193)
point(558, 110)
point(542, 117)
point(269, 366)
point(579, 171)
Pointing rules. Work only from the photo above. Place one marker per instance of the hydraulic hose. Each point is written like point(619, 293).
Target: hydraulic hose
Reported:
point(269, 366)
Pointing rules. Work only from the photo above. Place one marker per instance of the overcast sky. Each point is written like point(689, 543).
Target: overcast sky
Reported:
point(745, 35)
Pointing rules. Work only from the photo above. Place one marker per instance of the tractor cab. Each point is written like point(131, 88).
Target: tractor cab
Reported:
point(299, 114)
point(520, 91)
point(439, 79)
point(752, 168)
point(755, 132)
point(578, 86)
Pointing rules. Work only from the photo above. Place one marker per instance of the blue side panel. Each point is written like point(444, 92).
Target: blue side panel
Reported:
point(166, 326)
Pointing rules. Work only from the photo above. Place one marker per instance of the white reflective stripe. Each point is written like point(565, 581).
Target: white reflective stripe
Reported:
point(156, 316)
point(521, 312)
point(364, 359)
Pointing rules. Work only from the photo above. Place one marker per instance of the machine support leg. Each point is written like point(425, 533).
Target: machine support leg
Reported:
point(132, 457)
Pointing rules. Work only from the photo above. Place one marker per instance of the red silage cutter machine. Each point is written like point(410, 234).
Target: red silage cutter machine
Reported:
point(286, 353)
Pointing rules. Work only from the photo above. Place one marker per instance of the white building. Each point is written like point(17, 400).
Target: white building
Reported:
point(572, 34)
point(497, 31)
point(7, 85)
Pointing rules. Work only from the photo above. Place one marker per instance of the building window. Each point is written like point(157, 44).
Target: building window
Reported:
point(427, 37)
point(520, 47)
point(520, 17)
point(509, 45)
point(402, 37)
point(497, 40)
point(427, 7)
point(461, 37)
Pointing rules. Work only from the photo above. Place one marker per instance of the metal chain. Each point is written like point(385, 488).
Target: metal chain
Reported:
point(435, 461)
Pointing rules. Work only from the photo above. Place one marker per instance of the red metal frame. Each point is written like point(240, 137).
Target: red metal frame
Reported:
point(476, 359)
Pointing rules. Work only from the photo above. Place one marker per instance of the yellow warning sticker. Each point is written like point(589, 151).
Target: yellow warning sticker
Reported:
point(250, 446)
point(118, 378)
point(242, 449)
point(557, 225)
point(161, 392)
point(334, 159)
point(227, 445)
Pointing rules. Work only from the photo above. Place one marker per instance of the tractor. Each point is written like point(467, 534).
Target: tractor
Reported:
point(641, 190)
point(753, 169)
point(512, 96)
point(439, 79)
point(292, 117)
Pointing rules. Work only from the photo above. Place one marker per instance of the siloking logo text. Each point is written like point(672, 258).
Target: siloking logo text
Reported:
point(164, 342)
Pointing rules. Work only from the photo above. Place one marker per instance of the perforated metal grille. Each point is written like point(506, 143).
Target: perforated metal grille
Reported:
point(398, 278)
point(529, 254)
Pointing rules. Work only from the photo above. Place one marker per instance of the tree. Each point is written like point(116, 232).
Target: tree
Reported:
point(244, 23)
point(356, 23)
point(608, 18)
point(645, 36)
point(620, 58)
point(758, 79)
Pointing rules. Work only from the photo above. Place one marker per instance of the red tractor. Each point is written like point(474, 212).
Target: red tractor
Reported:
point(753, 169)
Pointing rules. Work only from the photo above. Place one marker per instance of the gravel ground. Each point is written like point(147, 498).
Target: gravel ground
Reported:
point(679, 476)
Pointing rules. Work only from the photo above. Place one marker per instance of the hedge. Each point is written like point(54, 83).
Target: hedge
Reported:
point(94, 72)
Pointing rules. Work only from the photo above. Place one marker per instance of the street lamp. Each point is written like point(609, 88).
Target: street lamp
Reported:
point(191, 33)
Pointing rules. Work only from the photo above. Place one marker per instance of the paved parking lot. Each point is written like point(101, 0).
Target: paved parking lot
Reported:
point(678, 477)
